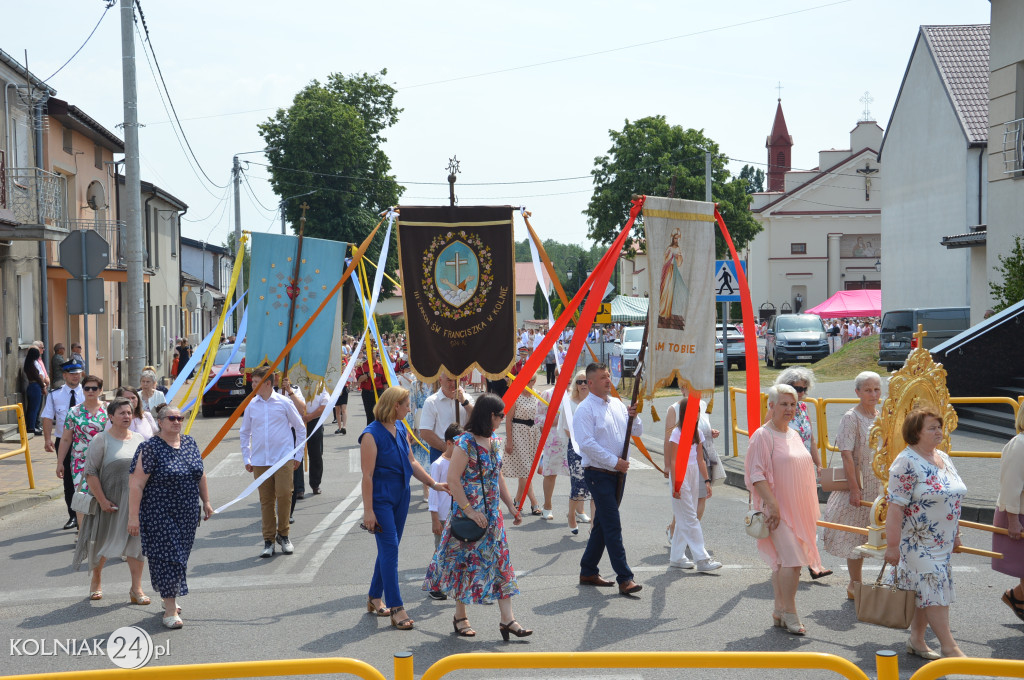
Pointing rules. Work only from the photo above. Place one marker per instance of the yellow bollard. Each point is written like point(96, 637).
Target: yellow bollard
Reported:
point(887, 665)
point(404, 666)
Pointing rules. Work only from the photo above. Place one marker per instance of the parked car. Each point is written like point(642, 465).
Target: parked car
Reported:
point(896, 339)
point(737, 346)
point(630, 348)
point(795, 337)
point(232, 387)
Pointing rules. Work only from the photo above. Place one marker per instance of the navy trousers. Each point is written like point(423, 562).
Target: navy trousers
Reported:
point(391, 507)
point(607, 530)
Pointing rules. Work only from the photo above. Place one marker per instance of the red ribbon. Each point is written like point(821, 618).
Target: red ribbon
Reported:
point(687, 428)
point(597, 283)
point(749, 334)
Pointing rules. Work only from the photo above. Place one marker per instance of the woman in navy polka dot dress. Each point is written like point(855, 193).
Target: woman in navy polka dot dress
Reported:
point(166, 490)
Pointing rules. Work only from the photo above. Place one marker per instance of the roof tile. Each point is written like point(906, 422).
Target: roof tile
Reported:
point(961, 53)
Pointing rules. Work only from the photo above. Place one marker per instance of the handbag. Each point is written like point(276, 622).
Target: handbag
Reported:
point(84, 503)
point(834, 479)
point(884, 605)
point(465, 529)
point(756, 524)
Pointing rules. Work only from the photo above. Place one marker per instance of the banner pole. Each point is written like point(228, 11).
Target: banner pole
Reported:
point(725, 369)
point(629, 422)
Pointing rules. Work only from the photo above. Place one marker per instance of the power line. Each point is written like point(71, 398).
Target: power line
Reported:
point(174, 129)
point(252, 193)
point(216, 207)
point(461, 184)
point(170, 101)
point(110, 3)
point(625, 47)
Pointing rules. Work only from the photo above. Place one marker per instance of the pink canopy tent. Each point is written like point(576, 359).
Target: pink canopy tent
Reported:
point(852, 303)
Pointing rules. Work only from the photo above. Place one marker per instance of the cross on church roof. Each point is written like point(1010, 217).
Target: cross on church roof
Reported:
point(866, 99)
point(779, 88)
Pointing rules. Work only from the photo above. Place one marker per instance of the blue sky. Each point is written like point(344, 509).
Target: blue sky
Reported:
point(230, 64)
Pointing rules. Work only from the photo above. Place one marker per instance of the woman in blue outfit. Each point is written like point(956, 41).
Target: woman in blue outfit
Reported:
point(387, 464)
point(166, 486)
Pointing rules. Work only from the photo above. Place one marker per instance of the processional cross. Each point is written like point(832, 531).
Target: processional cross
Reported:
point(294, 289)
point(453, 170)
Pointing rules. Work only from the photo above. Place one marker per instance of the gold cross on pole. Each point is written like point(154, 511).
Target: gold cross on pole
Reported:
point(304, 207)
point(919, 335)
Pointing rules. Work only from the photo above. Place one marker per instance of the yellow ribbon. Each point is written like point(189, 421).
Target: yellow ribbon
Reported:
point(211, 351)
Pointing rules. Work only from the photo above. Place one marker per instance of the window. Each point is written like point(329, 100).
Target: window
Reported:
point(26, 309)
point(781, 159)
point(66, 136)
point(97, 156)
point(797, 248)
point(519, 304)
point(174, 235)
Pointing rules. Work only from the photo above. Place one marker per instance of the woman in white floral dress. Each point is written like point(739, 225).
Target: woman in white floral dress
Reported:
point(922, 528)
point(844, 506)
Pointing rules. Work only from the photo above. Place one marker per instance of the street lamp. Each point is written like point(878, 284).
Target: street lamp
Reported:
point(878, 265)
point(285, 200)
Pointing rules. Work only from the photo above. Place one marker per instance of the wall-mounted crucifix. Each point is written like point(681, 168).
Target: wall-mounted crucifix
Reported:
point(867, 171)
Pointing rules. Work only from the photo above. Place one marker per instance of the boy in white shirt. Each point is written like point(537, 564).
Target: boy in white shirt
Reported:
point(440, 502)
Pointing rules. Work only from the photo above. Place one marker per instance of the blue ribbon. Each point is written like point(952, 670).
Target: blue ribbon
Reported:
point(239, 339)
point(196, 357)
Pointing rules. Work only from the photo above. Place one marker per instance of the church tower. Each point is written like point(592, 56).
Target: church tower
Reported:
point(780, 150)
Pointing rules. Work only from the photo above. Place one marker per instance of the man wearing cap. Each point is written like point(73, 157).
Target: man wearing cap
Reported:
point(55, 410)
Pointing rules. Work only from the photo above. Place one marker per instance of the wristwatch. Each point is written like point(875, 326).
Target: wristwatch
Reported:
point(465, 402)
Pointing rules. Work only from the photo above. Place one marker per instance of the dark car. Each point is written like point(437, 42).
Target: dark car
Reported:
point(896, 338)
point(232, 387)
point(795, 338)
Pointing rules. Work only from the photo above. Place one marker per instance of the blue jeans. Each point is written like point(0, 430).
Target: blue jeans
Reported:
point(607, 530)
point(391, 507)
point(33, 402)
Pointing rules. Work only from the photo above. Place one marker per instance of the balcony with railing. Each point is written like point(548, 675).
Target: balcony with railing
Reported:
point(1013, 147)
point(36, 198)
point(111, 230)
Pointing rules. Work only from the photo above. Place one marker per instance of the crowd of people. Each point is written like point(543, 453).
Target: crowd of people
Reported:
point(135, 486)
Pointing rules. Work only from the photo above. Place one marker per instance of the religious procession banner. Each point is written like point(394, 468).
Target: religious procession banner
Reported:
point(286, 287)
point(681, 314)
point(458, 289)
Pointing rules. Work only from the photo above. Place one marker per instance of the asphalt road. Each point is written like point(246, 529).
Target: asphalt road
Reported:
point(312, 603)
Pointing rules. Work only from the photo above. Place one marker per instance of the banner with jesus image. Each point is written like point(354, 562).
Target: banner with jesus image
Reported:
point(681, 314)
point(458, 289)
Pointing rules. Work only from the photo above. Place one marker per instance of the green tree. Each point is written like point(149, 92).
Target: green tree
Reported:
point(1010, 290)
point(754, 177)
point(646, 157)
point(329, 140)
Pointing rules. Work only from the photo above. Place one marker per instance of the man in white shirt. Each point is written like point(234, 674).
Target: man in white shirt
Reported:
point(600, 428)
point(271, 428)
point(448, 405)
point(315, 444)
point(55, 410)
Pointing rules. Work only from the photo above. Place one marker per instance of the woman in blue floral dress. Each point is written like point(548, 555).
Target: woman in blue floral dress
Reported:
point(922, 528)
point(164, 506)
point(482, 571)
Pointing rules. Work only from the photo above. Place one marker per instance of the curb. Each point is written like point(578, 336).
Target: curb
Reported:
point(972, 509)
point(22, 499)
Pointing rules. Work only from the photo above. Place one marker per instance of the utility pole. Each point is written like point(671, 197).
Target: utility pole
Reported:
point(134, 300)
point(236, 177)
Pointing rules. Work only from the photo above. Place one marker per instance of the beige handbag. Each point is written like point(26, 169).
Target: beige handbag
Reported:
point(884, 605)
point(834, 479)
point(756, 524)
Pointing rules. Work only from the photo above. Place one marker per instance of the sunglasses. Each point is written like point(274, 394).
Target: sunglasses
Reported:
point(175, 419)
point(581, 382)
point(91, 388)
point(800, 390)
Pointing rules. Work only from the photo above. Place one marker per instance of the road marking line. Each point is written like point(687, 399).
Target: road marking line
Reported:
point(221, 469)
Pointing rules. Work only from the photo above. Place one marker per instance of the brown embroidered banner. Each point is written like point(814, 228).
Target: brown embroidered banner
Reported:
point(458, 289)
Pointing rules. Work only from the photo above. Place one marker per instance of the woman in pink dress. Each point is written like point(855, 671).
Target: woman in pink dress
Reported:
point(781, 480)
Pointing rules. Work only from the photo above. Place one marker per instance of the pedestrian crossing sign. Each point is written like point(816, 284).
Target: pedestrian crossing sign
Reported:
point(727, 287)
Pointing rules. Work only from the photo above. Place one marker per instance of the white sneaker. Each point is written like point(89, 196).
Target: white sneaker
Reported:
point(708, 565)
point(683, 564)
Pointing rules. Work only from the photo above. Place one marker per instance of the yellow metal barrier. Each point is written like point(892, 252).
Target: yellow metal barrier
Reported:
point(821, 426)
point(23, 436)
point(735, 427)
point(231, 669)
point(576, 660)
point(1001, 668)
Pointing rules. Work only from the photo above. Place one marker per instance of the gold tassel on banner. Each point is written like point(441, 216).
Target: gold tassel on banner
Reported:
point(654, 414)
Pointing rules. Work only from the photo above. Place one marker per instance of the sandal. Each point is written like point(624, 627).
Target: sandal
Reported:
point(777, 619)
point(791, 622)
point(96, 595)
point(506, 628)
point(534, 510)
point(819, 574)
point(379, 611)
point(141, 599)
point(465, 631)
point(1014, 603)
point(172, 622)
point(404, 624)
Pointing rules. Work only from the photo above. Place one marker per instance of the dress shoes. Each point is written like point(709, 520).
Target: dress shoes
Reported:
point(596, 580)
point(71, 523)
point(630, 588)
